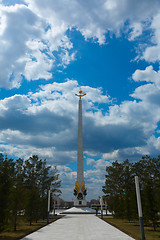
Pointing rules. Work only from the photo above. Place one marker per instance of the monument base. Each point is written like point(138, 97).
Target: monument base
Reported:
point(80, 203)
point(79, 210)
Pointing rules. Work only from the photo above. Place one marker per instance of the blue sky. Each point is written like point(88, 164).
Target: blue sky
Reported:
point(108, 48)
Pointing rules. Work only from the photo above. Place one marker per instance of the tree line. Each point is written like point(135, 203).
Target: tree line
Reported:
point(24, 187)
point(120, 192)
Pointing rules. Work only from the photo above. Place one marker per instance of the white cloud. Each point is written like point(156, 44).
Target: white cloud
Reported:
point(66, 58)
point(39, 68)
point(18, 102)
point(98, 16)
point(128, 125)
point(90, 161)
point(137, 30)
point(152, 53)
point(26, 47)
point(30, 33)
point(147, 75)
point(111, 156)
point(47, 118)
point(149, 93)
point(45, 123)
point(21, 25)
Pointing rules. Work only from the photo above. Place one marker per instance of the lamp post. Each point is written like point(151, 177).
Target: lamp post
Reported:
point(106, 207)
point(101, 203)
point(49, 195)
point(139, 208)
point(54, 205)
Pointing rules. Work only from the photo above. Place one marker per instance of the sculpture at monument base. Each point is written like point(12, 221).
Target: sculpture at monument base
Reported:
point(80, 193)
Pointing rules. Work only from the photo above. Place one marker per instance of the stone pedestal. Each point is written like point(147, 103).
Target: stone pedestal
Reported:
point(80, 203)
point(79, 210)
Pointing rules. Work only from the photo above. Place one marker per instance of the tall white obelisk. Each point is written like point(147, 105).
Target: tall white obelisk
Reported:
point(80, 190)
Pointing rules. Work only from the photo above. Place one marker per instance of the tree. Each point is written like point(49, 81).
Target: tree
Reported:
point(32, 183)
point(150, 204)
point(55, 184)
point(38, 179)
point(129, 191)
point(48, 179)
point(120, 188)
point(18, 191)
point(6, 184)
point(24, 187)
point(113, 188)
point(148, 172)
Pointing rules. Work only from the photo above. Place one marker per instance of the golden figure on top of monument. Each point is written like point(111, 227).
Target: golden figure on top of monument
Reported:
point(80, 94)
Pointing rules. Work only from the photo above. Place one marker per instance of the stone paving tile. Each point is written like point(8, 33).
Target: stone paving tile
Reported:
point(78, 227)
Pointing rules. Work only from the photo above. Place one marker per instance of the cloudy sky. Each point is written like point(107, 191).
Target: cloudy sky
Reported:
point(108, 48)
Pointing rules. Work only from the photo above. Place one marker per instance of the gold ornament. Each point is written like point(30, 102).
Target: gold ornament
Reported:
point(77, 186)
point(82, 186)
point(80, 94)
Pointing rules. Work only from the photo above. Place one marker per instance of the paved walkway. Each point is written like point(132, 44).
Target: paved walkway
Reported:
point(78, 227)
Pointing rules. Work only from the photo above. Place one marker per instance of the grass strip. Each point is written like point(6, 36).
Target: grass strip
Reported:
point(132, 228)
point(23, 229)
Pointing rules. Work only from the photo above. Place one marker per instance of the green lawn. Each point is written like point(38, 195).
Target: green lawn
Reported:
point(132, 228)
point(24, 229)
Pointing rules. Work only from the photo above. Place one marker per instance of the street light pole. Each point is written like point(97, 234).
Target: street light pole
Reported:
point(106, 207)
point(49, 194)
point(101, 202)
point(54, 206)
point(139, 208)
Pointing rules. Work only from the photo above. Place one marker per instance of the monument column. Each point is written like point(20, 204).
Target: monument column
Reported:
point(80, 177)
point(80, 190)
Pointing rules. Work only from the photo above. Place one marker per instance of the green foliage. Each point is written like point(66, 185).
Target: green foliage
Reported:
point(120, 192)
point(24, 187)
point(6, 184)
point(17, 195)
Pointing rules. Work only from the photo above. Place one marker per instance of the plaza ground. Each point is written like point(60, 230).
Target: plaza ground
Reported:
point(79, 227)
